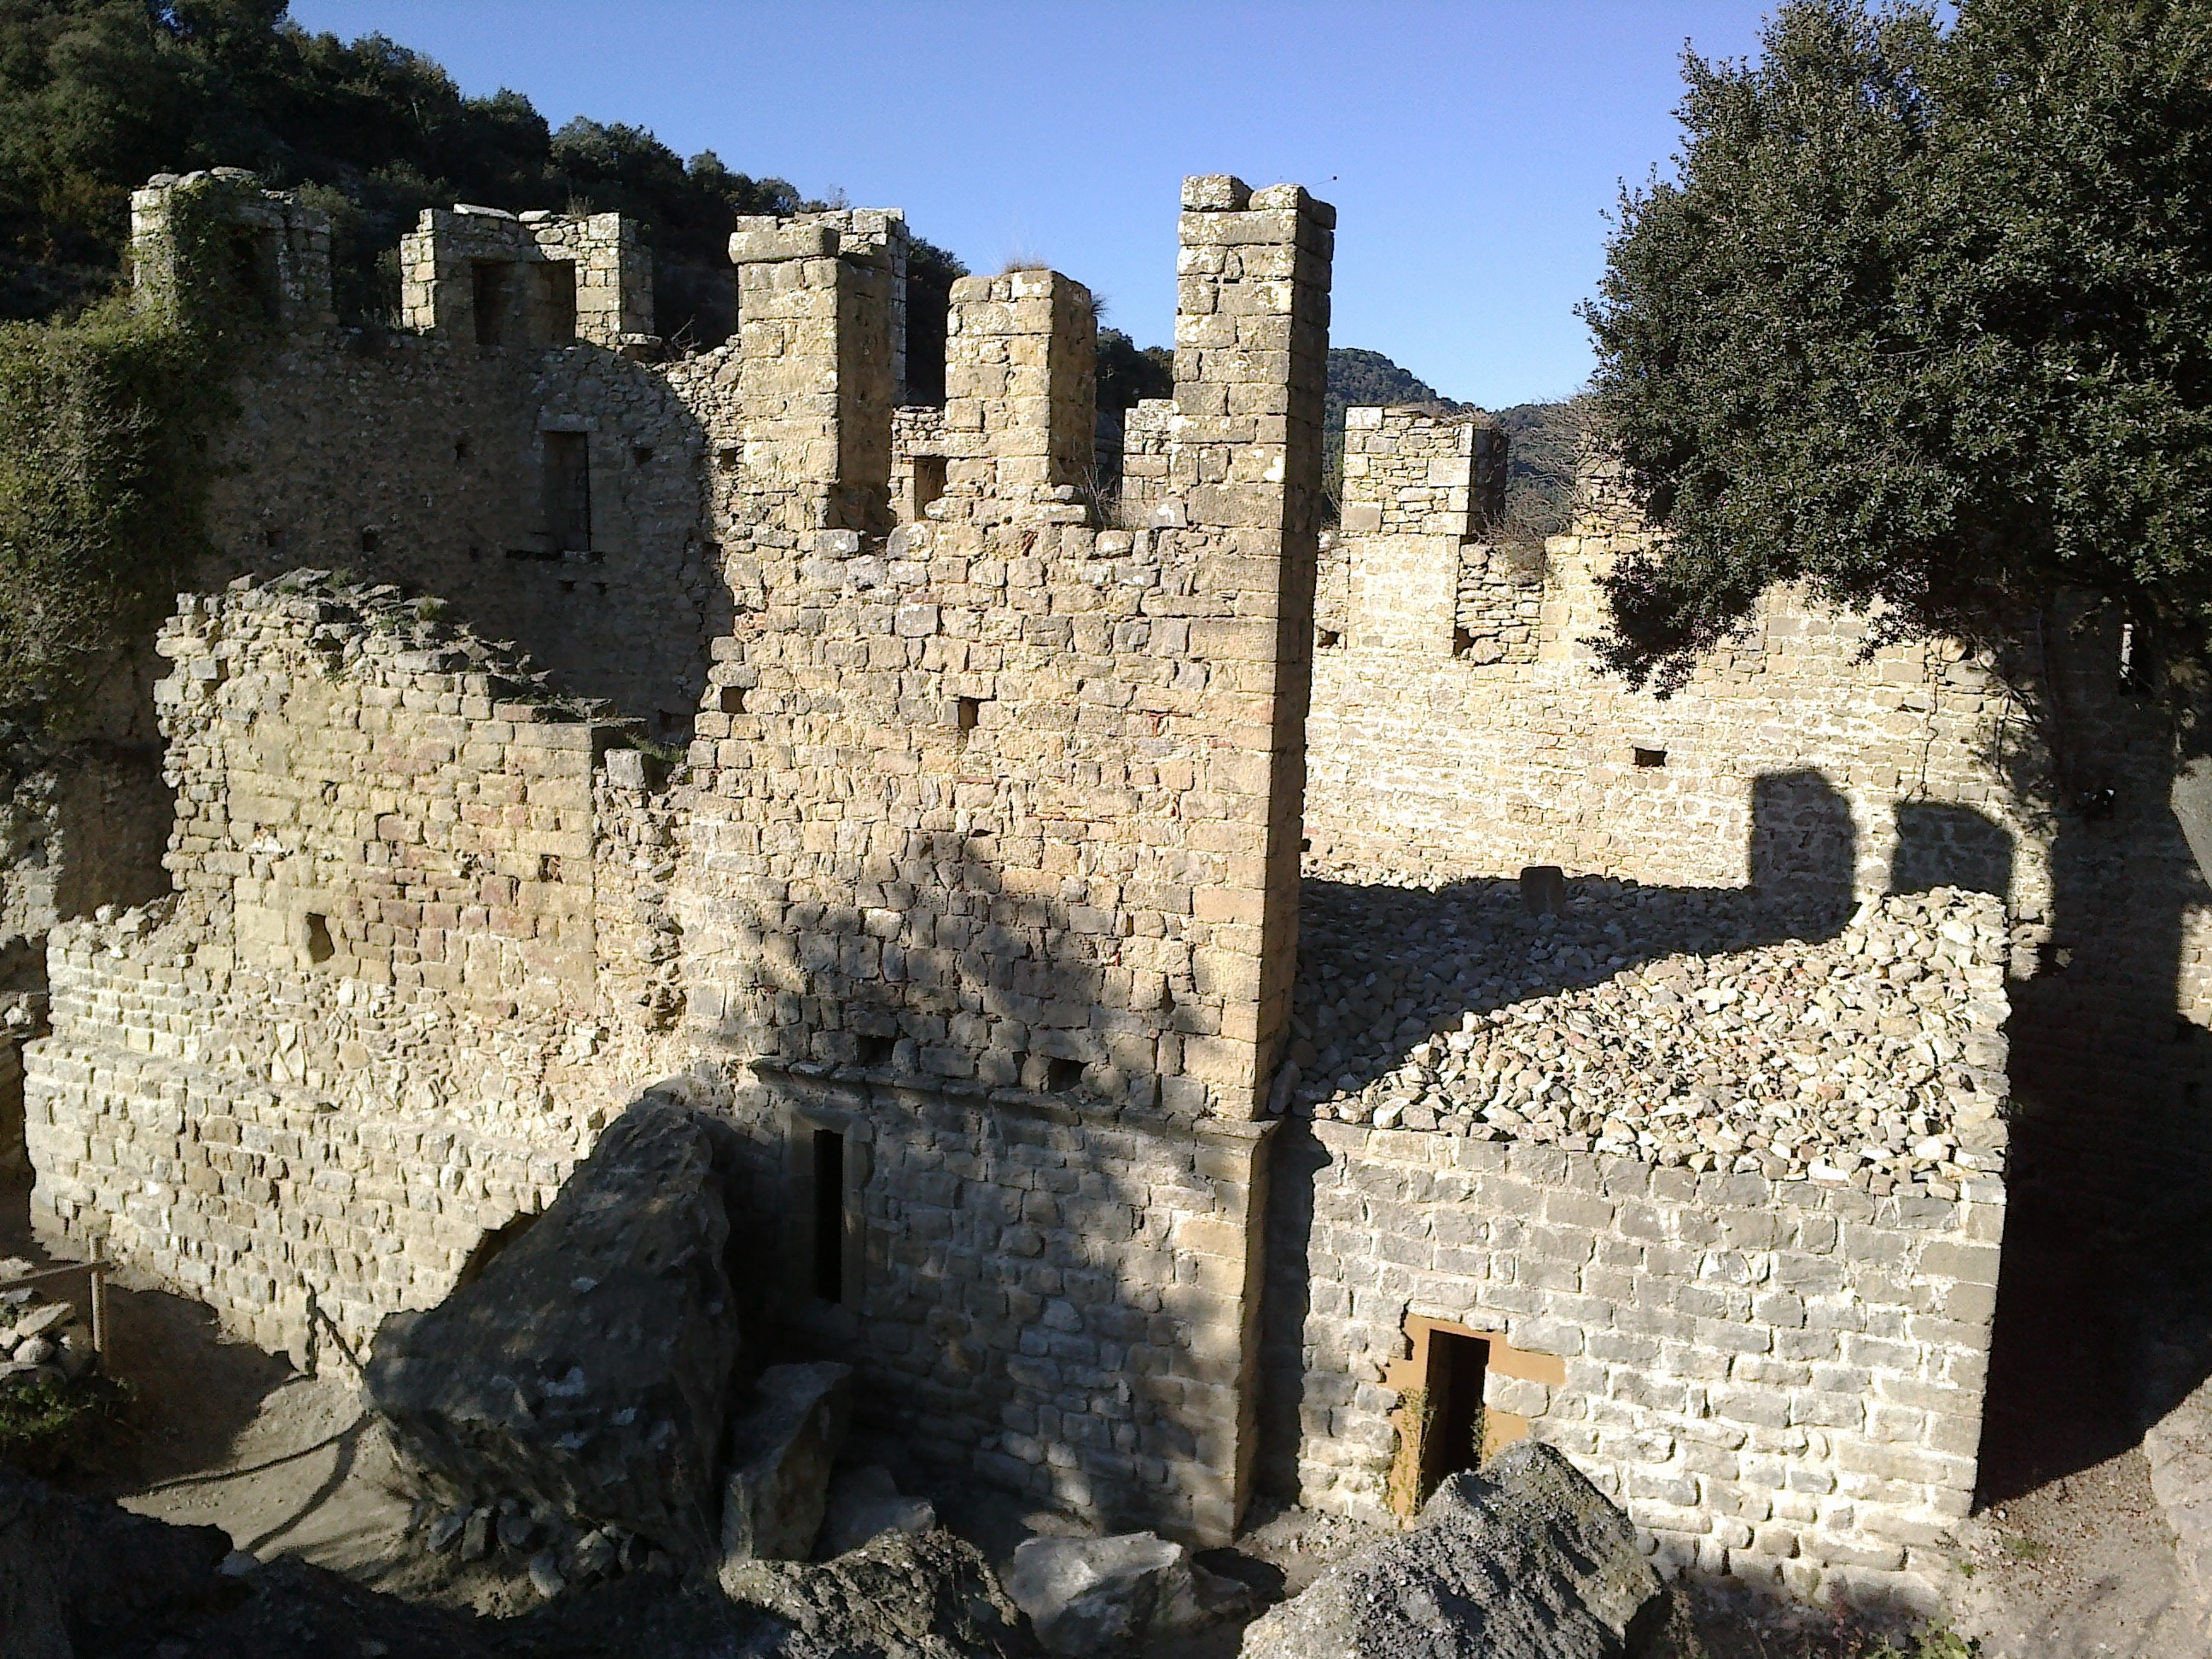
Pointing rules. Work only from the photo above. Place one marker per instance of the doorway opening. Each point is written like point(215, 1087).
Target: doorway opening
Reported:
point(1452, 1440)
point(828, 1215)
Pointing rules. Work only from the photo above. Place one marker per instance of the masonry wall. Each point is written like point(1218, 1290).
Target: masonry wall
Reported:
point(1777, 1380)
point(531, 474)
point(362, 1032)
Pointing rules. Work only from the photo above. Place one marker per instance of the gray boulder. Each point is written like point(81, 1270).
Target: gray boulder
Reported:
point(781, 1447)
point(904, 1596)
point(1096, 1595)
point(865, 1504)
point(1526, 1560)
point(588, 1370)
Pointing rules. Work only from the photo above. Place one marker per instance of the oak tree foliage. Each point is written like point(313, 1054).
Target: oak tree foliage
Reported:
point(1923, 321)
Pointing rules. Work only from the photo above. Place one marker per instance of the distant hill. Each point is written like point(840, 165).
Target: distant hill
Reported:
point(1545, 438)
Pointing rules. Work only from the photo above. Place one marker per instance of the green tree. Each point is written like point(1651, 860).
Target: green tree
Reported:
point(1923, 322)
point(96, 96)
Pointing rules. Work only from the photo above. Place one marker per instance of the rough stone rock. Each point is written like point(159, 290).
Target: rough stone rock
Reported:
point(2179, 1448)
point(1091, 1595)
point(781, 1447)
point(1526, 1560)
point(588, 1370)
point(903, 1595)
point(81, 1575)
point(48, 1316)
point(865, 1502)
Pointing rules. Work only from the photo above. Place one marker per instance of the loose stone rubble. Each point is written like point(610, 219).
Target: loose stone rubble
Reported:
point(41, 1337)
point(1100, 1596)
point(1679, 1029)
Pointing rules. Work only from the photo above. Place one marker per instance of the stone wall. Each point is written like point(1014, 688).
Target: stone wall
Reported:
point(1779, 1381)
point(359, 1036)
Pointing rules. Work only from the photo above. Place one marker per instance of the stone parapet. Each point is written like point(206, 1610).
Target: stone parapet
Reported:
point(213, 238)
point(527, 280)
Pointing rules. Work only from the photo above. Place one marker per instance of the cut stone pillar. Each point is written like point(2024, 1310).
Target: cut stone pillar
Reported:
point(814, 384)
point(1251, 367)
point(1021, 382)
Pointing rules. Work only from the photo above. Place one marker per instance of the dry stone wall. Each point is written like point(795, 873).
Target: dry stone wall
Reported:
point(361, 1035)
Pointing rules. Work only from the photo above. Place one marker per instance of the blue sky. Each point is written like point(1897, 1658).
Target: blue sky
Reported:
point(1472, 150)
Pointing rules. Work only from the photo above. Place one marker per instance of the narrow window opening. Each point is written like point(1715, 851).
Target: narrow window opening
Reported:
point(876, 1050)
point(1451, 1410)
point(560, 279)
point(252, 258)
point(600, 588)
point(1061, 1075)
point(928, 482)
point(368, 539)
point(732, 700)
point(1327, 638)
point(828, 1215)
point(569, 491)
point(1649, 757)
point(727, 459)
point(489, 287)
point(567, 588)
point(967, 711)
point(273, 536)
point(549, 867)
point(1463, 642)
point(475, 554)
point(460, 450)
point(641, 454)
point(319, 948)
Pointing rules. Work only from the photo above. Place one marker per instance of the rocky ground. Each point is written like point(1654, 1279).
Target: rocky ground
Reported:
point(1682, 1027)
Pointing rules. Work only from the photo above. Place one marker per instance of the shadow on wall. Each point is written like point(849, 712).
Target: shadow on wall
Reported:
point(2104, 1317)
point(1804, 847)
point(1942, 844)
point(1005, 1275)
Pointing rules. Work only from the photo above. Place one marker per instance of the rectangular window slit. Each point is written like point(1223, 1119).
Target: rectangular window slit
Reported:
point(559, 276)
point(1649, 757)
point(568, 490)
point(876, 1050)
point(1463, 642)
point(319, 948)
point(368, 539)
point(1327, 638)
point(828, 1215)
point(731, 700)
point(641, 454)
point(967, 711)
point(1061, 1074)
point(488, 284)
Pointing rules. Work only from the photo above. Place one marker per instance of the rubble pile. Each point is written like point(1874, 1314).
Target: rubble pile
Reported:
point(1692, 1029)
point(41, 1337)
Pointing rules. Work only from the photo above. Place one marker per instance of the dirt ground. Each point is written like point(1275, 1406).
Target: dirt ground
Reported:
point(2069, 1560)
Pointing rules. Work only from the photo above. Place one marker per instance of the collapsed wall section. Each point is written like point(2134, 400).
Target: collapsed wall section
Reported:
point(358, 1038)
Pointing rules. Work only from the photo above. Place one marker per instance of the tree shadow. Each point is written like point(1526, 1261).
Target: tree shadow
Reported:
point(1802, 856)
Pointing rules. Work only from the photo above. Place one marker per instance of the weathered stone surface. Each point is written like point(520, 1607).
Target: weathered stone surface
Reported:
point(780, 1450)
point(588, 1370)
point(903, 1595)
point(1526, 1560)
point(865, 1502)
point(2179, 1448)
point(1097, 1596)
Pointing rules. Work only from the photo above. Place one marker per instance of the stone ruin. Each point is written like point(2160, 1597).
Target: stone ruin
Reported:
point(1210, 1003)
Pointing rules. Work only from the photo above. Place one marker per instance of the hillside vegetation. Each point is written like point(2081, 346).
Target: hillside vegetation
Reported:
point(1544, 438)
point(96, 96)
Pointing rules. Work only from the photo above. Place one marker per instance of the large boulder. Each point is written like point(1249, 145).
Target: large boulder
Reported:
point(781, 1448)
point(588, 1370)
point(903, 1596)
point(1526, 1560)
